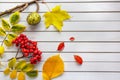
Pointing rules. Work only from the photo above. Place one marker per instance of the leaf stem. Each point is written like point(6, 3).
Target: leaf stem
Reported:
point(5, 38)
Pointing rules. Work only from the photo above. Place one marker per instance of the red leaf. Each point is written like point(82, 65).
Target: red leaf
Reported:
point(61, 46)
point(78, 59)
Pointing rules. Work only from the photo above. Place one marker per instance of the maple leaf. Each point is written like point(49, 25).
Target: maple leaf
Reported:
point(56, 18)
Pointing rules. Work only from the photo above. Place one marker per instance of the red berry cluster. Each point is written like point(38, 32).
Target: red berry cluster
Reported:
point(28, 48)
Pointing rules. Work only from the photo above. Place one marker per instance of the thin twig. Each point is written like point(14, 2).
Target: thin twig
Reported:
point(18, 7)
point(17, 52)
point(22, 9)
point(19, 57)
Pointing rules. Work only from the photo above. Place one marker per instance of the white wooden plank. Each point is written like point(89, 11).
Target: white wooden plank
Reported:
point(79, 36)
point(92, 57)
point(77, 47)
point(57, 0)
point(67, 6)
point(77, 26)
point(76, 75)
point(82, 16)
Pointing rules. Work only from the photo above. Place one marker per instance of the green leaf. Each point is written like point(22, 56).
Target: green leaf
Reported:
point(18, 28)
point(11, 36)
point(33, 73)
point(20, 65)
point(28, 67)
point(14, 18)
point(8, 43)
point(12, 62)
point(5, 25)
point(2, 32)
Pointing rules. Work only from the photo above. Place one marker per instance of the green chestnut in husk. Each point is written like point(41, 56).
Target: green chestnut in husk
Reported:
point(33, 18)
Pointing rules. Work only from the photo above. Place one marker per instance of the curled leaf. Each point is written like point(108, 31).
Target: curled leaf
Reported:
point(11, 36)
point(28, 67)
point(14, 18)
point(78, 59)
point(13, 74)
point(56, 18)
point(12, 63)
point(2, 50)
point(53, 67)
point(20, 65)
point(18, 28)
point(2, 32)
point(7, 71)
point(61, 46)
point(21, 76)
point(33, 73)
point(7, 43)
point(5, 25)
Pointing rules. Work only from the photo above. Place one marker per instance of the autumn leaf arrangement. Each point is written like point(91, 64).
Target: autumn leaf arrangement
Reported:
point(11, 32)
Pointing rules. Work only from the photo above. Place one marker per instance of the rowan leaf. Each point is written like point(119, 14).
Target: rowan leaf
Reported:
point(21, 76)
point(8, 43)
point(13, 74)
point(56, 18)
point(7, 71)
point(5, 25)
point(53, 67)
point(11, 36)
point(18, 28)
point(33, 73)
point(2, 32)
point(28, 67)
point(12, 63)
point(14, 18)
point(20, 65)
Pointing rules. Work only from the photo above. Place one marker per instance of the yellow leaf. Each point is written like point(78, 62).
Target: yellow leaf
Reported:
point(8, 43)
point(53, 67)
point(5, 25)
point(7, 71)
point(20, 65)
point(13, 74)
point(12, 63)
point(14, 18)
point(2, 32)
point(11, 36)
point(28, 67)
point(56, 18)
point(21, 76)
point(2, 50)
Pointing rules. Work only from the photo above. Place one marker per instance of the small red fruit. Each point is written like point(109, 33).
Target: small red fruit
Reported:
point(61, 46)
point(26, 54)
point(78, 59)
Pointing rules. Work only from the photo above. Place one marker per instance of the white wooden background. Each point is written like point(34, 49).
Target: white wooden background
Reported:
point(96, 26)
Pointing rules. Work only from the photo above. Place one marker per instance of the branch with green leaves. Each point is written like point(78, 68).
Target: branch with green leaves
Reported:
point(10, 29)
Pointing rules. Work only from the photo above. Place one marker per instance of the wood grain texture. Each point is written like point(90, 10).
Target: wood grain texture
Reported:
point(95, 24)
point(83, 7)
